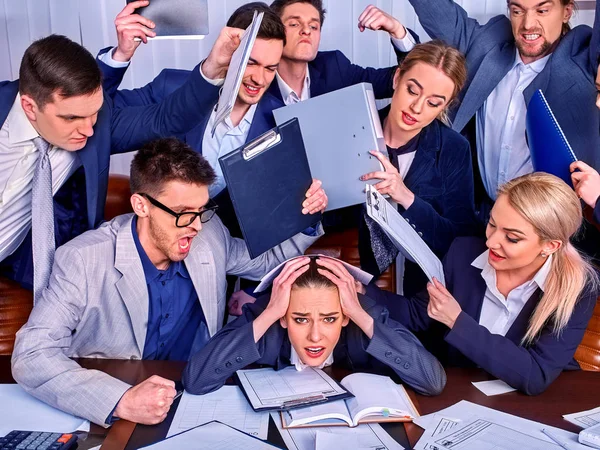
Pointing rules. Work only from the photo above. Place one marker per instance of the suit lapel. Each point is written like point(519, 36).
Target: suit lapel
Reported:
point(200, 264)
point(425, 155)
point(8, 93)
point(89, 159)
point(519, 327)
point(493, 68)
point(317, 85)
point(132, 285)
point(263, 116)
point(195, 137)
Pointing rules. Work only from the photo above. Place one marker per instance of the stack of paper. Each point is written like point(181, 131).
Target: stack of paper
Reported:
point(584, 419)
point(468, 426)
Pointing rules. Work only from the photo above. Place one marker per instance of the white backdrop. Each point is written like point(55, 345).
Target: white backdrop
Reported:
point(90, 22)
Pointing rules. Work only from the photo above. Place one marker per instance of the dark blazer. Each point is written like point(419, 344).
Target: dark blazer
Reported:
point(529, 368)
point(441, 177)
point(331, 70)
point(567, 80)
point(392, 347)
point(117, 130)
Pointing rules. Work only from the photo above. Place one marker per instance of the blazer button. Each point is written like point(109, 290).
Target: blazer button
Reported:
point(133, 357)
point(388, 354)
point(414, 226)
point(397, 360)
point(420, 234)
point(218, 370)
point(228, 364)
point(239, 359)
point(406, 365)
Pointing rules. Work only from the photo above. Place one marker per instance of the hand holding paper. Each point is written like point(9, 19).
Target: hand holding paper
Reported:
point(442, 306)
point(392, 183)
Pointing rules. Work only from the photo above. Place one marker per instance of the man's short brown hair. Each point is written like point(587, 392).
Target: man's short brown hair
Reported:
point(271, 26)
point(279, 5)
point(56, 64)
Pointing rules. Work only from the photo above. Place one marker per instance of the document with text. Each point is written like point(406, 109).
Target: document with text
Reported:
point(226, 405)
point(584, 419)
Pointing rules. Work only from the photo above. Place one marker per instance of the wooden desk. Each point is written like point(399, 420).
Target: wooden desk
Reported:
point(571, 392)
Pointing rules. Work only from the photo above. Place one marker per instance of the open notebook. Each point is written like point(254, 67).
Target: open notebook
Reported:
point(376, 399)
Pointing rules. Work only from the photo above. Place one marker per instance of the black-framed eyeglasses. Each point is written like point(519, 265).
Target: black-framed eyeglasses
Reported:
point(185, 219)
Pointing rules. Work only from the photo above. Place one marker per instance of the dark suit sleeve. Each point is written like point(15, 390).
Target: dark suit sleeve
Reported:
point(381, 79)
point(231, 349)
point(457, 215)
point(445, 20)
point(111, 76)
point(393, 345)
point(181, 111)
point(529, 369)
point(165, 83)
point(595, 41)
point(410, 312)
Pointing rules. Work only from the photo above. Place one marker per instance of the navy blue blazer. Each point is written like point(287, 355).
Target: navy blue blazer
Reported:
point(393, 349)
point(441, 178)
point(331, 70)
point(567, 80)
point(529, 368)
point(117, 130)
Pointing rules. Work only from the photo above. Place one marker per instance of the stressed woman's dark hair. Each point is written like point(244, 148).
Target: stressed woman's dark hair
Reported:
point(312, 278)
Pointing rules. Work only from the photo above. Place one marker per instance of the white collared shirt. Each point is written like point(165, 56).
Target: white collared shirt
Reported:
point(290, 96)
point(296, 361)
point(498, 313)
point(502, 150)
point(18, 158)
point(226, 139)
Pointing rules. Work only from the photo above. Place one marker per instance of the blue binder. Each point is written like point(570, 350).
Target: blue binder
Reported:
point(267, 181)
point(550, 150)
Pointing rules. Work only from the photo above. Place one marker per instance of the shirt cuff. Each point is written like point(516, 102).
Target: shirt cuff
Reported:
point(406, 44)
point(107, 59)
point(215, 82)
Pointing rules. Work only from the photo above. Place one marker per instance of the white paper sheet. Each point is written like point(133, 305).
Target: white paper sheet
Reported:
point(235, 74)
point(493, 387)
point(30, 414)
point(271, 388)
point(306, 438)
point(466, 411)
point(406, 239)
point(358, 274)
point(227, 405)
point(214, 436)
point(584, 419)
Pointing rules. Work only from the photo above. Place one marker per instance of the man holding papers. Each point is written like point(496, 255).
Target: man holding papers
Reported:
point(314, 318)
point(149, 285)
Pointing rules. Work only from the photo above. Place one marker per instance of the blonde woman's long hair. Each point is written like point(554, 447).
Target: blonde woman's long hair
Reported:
point(555, 212)
point(443, 57)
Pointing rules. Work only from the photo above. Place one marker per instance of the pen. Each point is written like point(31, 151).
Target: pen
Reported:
point(555, 438)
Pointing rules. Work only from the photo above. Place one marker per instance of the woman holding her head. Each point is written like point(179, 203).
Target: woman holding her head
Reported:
point(429, 173)
point(314, 318)
point(516, 305)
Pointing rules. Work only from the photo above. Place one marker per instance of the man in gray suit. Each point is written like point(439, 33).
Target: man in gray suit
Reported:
point(509, 59)
point(124, 291)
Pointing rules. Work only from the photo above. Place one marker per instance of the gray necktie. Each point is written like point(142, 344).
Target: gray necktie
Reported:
point(42, 218)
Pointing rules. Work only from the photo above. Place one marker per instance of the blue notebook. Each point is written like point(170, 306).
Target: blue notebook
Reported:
point(267, 180)
point(550, 150)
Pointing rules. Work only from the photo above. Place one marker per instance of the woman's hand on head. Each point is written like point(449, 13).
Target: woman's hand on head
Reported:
point(391, 182)
point(442, 306)
point(280, 296)
point(346, 285)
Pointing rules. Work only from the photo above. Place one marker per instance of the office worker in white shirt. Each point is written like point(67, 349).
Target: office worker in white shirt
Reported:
point(508, 60)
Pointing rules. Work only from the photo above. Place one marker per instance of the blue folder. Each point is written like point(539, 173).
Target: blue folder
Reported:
point(267, 180)
point(550, 150)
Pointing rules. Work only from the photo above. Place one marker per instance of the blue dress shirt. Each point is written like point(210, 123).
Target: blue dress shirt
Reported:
point(176, 323)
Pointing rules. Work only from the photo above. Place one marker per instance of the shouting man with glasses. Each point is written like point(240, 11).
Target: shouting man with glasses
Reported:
point(148, 285)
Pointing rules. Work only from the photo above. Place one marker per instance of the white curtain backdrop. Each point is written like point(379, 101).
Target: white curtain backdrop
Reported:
point(90, 22)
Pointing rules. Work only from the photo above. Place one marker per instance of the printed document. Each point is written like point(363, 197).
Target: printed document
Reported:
point(403, 235)
point(227, 405)
point(235, 73)
point(213, 435)
point(584, 419)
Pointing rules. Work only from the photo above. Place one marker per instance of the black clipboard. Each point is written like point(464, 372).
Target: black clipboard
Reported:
point(267, 181)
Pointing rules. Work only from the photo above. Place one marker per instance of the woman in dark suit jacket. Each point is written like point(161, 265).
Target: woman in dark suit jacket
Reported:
point(314, 317)
point(429, 174)
point(519, 309)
